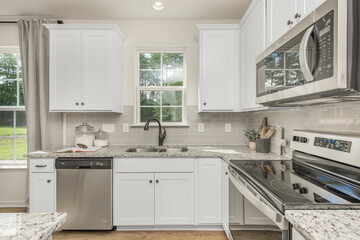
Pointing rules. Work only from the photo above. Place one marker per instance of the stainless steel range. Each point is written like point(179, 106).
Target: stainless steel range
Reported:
point(324, 173)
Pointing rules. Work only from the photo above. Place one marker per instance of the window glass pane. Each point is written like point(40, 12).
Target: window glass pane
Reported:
point(8, 91)
point(6, 123)
point(172, 114)
point(149, 98)
point(172, 98)
point(150, 78)
point(6, 148)
point(8, 65)
point(173, 78)
point(173, 60)
point(21, 148)
point(275, 61)
point(21, 92)
point(150, 61)
point(21, 129)
point(292, 61)
point(149, 112)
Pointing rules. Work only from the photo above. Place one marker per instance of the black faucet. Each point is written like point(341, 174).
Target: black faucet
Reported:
point(162, 135)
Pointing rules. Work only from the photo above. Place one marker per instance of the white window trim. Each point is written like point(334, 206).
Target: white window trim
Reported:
point(14, 163)
point(138, 88)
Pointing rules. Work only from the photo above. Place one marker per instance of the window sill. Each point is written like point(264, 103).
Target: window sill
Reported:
point(12, 167)
point(138, 125)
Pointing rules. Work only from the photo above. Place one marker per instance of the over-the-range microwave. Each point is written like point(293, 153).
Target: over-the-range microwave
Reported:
point(317, 61)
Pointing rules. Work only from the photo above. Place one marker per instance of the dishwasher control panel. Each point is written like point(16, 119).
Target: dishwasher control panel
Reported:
point(83, 163)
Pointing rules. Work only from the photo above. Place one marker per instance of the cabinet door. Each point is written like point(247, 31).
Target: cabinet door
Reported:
point(253, 216)
point(42, 192)
point(225, 197)
point(311, 5)
point(209, 189)
point(65, 70)
point(98, 70)
point(279, 13)
point(133, 199)
point(174, 198)
point(217, 57)
point(253, 43)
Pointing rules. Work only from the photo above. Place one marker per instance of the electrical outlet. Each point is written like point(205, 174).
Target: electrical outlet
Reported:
point(200, 127)
point(227, 127)
point(110, 128)
point(125, 127)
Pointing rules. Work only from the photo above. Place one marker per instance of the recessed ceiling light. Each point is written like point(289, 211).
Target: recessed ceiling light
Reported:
point(157, 5)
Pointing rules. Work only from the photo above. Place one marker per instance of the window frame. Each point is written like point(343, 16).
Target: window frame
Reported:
point(14, 109)
point(138, 88)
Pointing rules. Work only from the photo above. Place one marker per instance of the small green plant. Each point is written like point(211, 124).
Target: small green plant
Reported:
point(252, 134)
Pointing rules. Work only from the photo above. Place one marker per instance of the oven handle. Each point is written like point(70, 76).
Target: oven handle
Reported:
point(257, 200)
point(303, 55)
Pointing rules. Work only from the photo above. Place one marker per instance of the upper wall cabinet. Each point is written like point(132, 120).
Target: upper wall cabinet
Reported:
point(284, 14)
point(85, 68)
point(253, 31)
point(219, 71)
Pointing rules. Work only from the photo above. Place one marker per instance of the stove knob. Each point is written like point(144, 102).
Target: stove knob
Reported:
point(296, 186)
point(303, 190)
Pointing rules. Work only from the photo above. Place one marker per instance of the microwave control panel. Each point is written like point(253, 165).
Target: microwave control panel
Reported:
point(325, 46)
point(334, 144)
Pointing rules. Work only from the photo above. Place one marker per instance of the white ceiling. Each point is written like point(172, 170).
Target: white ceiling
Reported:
point(126, 9)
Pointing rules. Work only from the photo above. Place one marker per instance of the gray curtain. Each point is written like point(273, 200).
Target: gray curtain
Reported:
point(44, 129)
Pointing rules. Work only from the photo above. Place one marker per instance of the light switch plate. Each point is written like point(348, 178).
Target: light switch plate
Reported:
point(227, 127)
point(200, 127)
point(125, 127)
point(110, 128)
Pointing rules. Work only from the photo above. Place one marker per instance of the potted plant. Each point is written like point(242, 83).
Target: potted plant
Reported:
point(252, 136)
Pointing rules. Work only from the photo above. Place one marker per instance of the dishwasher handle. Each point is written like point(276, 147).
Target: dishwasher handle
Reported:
point(83, 167)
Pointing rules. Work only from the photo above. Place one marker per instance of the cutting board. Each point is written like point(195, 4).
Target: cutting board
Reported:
point(277, 140)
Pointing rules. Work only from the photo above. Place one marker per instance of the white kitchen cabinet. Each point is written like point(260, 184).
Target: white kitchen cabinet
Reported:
point(42, 185)
point(209, 178)
point(225, 197)
point(295, 235)
point(253, 32)
point(42, 192)
point(134, 198)
point(174, 198)
point(85, 68)
point(219, 60)
point(282, 15)
point(253, 216)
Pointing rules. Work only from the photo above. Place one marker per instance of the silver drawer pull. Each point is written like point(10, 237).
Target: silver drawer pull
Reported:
point(40, 165)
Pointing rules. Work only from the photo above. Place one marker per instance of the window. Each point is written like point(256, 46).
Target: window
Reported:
point(161, 86)
point(13, 142)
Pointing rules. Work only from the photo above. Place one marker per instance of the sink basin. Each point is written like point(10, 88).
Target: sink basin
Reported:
point(157, 149)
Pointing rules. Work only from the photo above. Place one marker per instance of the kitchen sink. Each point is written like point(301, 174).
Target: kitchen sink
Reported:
point(157, 149)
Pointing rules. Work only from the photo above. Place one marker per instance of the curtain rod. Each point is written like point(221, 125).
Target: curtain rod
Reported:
point(58, 21)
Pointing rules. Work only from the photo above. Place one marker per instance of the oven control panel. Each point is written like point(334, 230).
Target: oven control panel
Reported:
point(335, 144)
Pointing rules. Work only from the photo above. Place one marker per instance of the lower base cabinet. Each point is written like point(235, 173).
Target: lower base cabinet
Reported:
point(42, 192)
point(153, 198)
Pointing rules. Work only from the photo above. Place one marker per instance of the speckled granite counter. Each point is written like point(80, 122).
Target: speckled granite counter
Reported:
point(326, 224)
point(224, 152)
point(30, 226)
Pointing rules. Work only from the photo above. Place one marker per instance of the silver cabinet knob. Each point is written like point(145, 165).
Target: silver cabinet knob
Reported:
point(49, 181)
point(204, 103)
point(157, 181)
point(290, 22)
point(77, 104)
point(82, 104)
point(150, 181)
point(297, 15)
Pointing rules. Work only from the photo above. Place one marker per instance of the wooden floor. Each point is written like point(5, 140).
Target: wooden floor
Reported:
point(155, 235)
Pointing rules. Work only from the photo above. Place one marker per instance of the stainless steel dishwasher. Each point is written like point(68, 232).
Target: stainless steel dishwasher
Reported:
point(84, 192)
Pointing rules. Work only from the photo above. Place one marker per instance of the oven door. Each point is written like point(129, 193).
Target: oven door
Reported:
point(307, 63)
point(257, 200)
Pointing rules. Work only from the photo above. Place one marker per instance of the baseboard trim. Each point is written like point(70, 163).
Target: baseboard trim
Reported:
point(12, 204)
point(171, 228)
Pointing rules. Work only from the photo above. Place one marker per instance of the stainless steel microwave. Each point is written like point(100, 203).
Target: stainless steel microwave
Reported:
point(317, 61)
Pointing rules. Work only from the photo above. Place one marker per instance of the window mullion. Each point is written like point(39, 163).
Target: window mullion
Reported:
point(14, 126)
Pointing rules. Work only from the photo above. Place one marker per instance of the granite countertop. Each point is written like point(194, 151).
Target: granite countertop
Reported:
point(30, 226)
point(326, 224)
point(225, 152)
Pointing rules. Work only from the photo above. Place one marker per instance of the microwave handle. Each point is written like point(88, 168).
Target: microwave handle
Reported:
point(303, 56)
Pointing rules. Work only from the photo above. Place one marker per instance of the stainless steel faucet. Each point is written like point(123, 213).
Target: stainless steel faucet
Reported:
point(162, 134)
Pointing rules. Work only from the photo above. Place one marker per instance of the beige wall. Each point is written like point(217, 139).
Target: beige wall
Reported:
point(9, 35)
point(12, 187)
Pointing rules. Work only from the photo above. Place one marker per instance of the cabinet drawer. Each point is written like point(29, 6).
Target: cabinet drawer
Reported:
point(153, 165)
point(42, 165)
